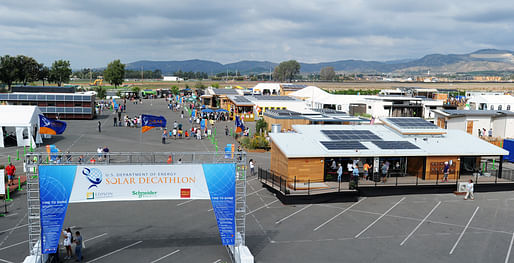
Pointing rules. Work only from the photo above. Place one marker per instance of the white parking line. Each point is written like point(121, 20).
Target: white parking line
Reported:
point(115, 251)
point(266, 205)
point(92, 238)
point(340, 213)
point(217, 261)
point(6, 261)
point(13, 245)
point(510, 249)
point(293, 214)
point(420, 223)
point(183, 203)
point(374, 222)
point(464, 230)
point(165, 256)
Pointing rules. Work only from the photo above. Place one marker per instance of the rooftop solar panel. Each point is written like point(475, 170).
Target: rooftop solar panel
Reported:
point(395, 145)
point(351, 135)
point(240, 99)
point(260, 97)
point(412, 123)
point(343, 145)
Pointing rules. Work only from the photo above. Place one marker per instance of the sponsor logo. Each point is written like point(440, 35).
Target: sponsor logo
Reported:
point(90, 195)
point(144, 194)
point(98, 195)
point(93, 175)
point(185, 193)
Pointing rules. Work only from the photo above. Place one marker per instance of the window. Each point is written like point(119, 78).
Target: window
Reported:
point(499, 107)
point(508, 107)
point(338, 107)
point(492, 107)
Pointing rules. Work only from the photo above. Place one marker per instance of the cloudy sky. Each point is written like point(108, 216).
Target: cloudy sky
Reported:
point(92, 33)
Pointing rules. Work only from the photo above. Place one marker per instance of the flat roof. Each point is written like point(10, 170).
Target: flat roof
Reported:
point(306, 142)
point(225, 92)
point(461, 113)
point(412, 126)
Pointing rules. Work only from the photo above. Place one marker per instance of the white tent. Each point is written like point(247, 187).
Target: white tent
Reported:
point(22, 121)
point(309, 92)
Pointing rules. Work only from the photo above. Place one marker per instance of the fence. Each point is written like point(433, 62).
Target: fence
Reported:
point(295, 186)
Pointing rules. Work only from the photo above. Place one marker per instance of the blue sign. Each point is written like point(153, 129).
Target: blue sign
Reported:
point(55, 189)
point(221, 180)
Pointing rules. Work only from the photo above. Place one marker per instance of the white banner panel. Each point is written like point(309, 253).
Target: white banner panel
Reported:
point(97, 183)
point(2, 182)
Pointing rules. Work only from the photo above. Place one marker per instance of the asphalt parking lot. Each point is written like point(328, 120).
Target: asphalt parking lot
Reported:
point(410, 228)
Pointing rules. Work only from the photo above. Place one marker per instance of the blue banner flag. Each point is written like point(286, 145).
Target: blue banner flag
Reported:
point(239, 125)
point(149, 122)
point(49, 126)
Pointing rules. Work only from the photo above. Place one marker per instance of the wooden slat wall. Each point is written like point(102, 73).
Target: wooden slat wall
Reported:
point(415, 166)
point(285, 124)
point(305, 169)
point(278, 161)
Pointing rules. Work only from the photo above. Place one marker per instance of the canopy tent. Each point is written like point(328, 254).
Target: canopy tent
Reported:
point(21, 122)
point(207, 110)
point(221, 110)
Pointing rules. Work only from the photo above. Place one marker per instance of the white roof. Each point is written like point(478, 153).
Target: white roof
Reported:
point(309, 92)
point(17, 115)
point(493, 99)
point(305, 142)
point(269, 86)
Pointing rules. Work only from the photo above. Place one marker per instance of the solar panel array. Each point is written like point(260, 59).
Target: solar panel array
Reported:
point(351, 135)
point(225, 91)
point(283, 98)
point(240, 99)
point(343, 145)
point(395, 145)
point(412, 123)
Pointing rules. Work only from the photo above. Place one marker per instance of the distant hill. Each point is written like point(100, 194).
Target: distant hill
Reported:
point(480, 60)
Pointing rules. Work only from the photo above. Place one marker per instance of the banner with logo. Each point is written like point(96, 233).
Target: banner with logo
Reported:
point(63, 184)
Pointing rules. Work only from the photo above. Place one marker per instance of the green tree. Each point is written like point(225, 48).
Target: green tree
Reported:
point(60, 72)
point(44, 73)
point(115, 73)
point(27, 69)
point(175, 90)
point(286, 70)
point(136, 90)
point(100, 92)
point(327, 73)
point(8, 70)
point(261, 126)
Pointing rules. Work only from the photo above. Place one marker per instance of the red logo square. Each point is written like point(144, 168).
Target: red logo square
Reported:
point(185, 193)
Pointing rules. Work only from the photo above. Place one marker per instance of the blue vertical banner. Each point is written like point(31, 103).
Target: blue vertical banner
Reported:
point(55, 183)
point(221, 181)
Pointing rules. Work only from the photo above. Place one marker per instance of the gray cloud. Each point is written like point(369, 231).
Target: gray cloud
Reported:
point(92, 33)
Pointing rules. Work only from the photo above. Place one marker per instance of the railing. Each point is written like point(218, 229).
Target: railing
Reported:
point(295, 186)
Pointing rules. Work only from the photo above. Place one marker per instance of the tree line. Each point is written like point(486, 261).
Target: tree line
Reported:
point(23, 69)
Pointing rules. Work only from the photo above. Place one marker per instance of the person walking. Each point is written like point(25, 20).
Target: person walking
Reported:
point(226, 130)
point(469, 190)
point(99, 126)
point(339, 172)
point(10, 170)
point(78, 246)
point(252, 167)
point(384, 169)
point(446, 171)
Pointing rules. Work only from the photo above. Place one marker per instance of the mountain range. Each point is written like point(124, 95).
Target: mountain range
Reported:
point(481, 60)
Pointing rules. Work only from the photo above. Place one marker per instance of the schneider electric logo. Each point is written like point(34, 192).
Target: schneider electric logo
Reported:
point(144, 194)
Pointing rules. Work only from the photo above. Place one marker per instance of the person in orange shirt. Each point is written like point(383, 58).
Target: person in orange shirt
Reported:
point(366, 168)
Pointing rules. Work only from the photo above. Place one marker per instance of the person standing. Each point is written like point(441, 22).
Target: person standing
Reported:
point(67, 243)
point(446, 171)
point(490, 132)
point(164, 134)
point(356, 175)
point(226, 130)
point(469, 190)
point(365, 169)
point(78, 246)
point(115, 121)
point(384, 169)
point(10, 170)
point(339, 172)
point(252, 167)
point(99, 126)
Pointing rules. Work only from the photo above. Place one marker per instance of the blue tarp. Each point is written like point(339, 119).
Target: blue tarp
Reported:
point(207, 110)
point(508, 144)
